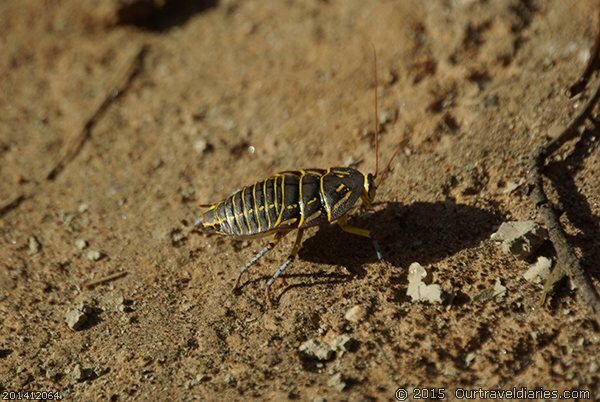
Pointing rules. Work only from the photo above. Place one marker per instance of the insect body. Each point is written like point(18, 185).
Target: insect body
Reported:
point(291, 200)
point(295, 200)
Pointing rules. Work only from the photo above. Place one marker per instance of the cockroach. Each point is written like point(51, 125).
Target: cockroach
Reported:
point(295, 200)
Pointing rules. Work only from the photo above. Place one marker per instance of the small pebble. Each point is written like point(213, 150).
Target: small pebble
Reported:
point(539, 271)
point(79, 316)
point(83, 207)
point(34, 246)
point(94, 255)
point(355, 314)
point(316, 350)
point(200, 145)
point(469, 358)
point(199, 378)
point(124, 308)
point(343, 343)
point(81, 244)
point(157, 163)
point(76, 319)
point(387, 116)
point(521, 239)
point(336, 382)
point(498, 291)
point(351, 161)
point(177, 237)
point(51, 374)
point(512, 186)
point(66, 218)
point(229, 379)
point(419, 290)
point(80, 374)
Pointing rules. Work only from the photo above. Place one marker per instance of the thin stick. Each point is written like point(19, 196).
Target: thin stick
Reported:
point(104, 280)
point(75, 146)
point(567, 260)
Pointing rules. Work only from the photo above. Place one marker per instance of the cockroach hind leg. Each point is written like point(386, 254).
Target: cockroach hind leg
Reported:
point(250, 263)
point(276, 239)
point(276, 275)
point(279, 271)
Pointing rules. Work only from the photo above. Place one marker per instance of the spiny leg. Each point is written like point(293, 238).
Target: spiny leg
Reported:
point(276, 239)
point(286, 263)
point(343, 222)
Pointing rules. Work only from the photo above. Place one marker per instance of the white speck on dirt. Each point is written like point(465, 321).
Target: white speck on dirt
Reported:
point(337, 382)
point(200, 145)
point(81, 244)
point(94, 255)
point(34, 246)
point(419, 290)
point(539, 270)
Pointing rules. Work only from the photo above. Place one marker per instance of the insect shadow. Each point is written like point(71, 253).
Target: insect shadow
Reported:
point(162, 17)
point(423, 232)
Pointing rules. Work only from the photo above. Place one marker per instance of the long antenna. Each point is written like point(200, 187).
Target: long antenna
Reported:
point(376, 112)
point(388, 166)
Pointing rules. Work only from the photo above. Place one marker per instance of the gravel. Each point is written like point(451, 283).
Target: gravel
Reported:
point(81, 244)
point(316, 350)
point(337, 382)
point(34, 246)
point(539, 270)
point(355, 314)
point(80, 374)
point(521, 239)
point(420, 291)
point(94, 255)
point(78, 317)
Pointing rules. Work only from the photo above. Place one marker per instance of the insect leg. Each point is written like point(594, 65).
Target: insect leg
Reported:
point(286, 263)
point(263, 251)
point(343, 222)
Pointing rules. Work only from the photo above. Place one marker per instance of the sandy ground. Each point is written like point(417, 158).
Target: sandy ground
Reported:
point(230, 92)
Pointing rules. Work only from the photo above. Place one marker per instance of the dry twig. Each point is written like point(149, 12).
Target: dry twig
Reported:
point(75, 146)
point(568, 264)
point(106, 279)
point(567, 260)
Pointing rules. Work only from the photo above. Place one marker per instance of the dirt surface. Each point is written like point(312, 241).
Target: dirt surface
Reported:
point(229, 92)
